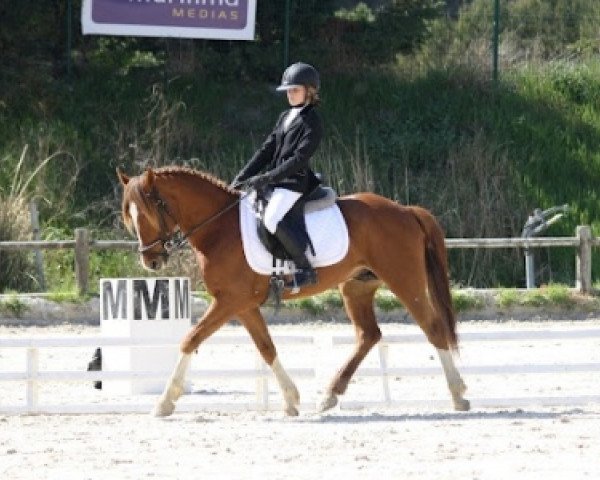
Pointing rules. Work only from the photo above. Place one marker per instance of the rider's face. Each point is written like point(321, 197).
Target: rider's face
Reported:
point(297, 95)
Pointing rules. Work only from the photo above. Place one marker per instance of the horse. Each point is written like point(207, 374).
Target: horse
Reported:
point(399, 246)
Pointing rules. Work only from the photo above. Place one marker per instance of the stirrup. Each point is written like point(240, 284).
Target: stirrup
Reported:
point(301, 278)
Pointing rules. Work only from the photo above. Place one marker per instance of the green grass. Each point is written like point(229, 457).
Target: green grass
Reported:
point(551, 296)
point(384, 301)
point(507, 298)
point(60, 277)
point(13, 306)
point(465, 300)
point(68, 297)
point(480, 155)
point(318, 304)
point(554, 295)
point(559, 295)
point(312, 305)
point(416, 133)
point(203, 295)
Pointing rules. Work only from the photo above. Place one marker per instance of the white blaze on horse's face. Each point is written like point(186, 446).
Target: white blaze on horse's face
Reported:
point(133, 213)
point(151, 264)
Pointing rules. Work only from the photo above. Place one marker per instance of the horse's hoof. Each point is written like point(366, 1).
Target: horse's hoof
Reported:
point(291, 411)
point(328, 403)
point(163, 408)
point(462, 405)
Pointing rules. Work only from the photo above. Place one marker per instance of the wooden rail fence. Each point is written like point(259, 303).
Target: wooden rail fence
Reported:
point(583, 242)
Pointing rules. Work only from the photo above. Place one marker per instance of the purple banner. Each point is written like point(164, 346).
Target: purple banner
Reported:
point(221, 14)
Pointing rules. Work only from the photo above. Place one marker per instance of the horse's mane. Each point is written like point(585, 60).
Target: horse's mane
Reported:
point(178, 170)
point(137, 190)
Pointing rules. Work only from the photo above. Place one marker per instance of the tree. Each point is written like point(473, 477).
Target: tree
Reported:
point(397, 26)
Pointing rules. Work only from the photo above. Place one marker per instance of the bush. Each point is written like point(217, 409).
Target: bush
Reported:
point(16, 268)
point(19, 182)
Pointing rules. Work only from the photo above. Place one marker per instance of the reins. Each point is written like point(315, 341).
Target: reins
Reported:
point(177, 239)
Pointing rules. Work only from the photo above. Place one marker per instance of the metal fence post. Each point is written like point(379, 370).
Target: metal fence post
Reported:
point(496, 40)
point(583, 266)
point(529, 268)
point(82, 259)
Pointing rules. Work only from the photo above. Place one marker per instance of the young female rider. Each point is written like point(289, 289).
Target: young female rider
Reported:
point(284, 160)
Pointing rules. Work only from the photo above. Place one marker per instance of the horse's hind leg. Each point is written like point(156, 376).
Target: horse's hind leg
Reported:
point(358, 301)
point(257, 328)
point(429, 321)
point(456, 385)
point(415, 298)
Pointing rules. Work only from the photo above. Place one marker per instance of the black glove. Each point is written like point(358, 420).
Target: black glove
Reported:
point(236, 184)
point(258, 182)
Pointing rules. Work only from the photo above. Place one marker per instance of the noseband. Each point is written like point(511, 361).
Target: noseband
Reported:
point(168, 242)
point(171, 242)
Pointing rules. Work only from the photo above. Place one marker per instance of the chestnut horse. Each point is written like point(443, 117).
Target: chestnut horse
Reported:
point(402, 245)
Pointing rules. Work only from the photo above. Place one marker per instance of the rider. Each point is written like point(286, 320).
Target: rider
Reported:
point(284, 159)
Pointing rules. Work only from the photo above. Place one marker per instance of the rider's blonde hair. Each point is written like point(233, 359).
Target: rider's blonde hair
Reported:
point(312, 95)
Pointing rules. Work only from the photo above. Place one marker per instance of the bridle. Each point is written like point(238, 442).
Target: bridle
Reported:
point(177, 239)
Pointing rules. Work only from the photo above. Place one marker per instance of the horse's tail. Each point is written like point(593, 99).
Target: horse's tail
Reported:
point(436, 262)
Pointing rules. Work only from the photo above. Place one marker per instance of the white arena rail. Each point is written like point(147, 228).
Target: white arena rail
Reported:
point(385, 371)
point(33, 376)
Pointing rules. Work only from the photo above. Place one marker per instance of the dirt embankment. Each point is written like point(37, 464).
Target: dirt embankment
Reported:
point(489, 305)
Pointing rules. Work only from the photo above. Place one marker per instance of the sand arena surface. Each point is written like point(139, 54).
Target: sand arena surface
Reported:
point(423, 441)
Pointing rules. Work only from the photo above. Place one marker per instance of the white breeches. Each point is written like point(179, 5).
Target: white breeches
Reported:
point(279, 204)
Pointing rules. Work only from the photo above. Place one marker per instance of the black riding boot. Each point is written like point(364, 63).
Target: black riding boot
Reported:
point(305, 274)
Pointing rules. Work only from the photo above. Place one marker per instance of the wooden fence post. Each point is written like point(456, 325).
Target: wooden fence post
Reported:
point(583, 265)
point(39, 256)
point(82, 259)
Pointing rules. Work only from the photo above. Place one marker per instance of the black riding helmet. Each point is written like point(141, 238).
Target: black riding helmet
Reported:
point(299, 74)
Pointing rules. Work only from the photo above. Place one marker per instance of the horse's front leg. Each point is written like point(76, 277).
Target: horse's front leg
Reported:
point(358, 300)
point(257, 328)
point(174, 388)
point(216, 315)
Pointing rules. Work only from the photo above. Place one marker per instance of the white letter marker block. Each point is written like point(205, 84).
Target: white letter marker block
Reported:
point(138, 309)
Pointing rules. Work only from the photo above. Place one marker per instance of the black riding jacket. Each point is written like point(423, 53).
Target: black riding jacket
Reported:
point(285, 156)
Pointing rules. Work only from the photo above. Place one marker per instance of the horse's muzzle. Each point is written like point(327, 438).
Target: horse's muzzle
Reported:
point(153, 262)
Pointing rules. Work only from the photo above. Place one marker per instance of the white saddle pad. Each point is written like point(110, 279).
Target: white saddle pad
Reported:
point(326, 228)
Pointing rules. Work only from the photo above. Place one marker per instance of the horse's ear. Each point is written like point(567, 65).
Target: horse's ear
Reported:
point(124, 179)
point(149, 177)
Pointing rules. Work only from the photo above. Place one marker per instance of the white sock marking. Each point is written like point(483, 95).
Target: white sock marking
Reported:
point(285, 382)
point(175, 384)
point(452, 375)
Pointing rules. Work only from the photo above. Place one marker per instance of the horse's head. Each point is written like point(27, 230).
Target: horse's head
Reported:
point(146, 215)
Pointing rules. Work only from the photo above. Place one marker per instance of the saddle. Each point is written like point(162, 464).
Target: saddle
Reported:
point(326, 228)
point(320, 198)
